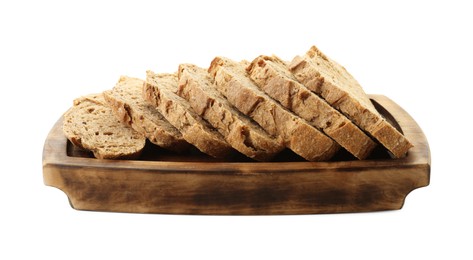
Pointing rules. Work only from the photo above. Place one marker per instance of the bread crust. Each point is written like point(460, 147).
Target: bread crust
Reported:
point(90, 125)
point(338, 87)
point(232, 82)
point(196, 86)
point(128, 105)
point(272, 76)
point(160, 91)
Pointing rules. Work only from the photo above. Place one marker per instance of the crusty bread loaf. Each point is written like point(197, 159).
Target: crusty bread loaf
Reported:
point(128, 105)
point(232, 81)
point(160, 90)
point(243, 134)
point(273, 77)
point(90, 125)
point(330, 80)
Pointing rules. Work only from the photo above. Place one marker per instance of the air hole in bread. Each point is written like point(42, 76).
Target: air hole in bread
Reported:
point(247, 140)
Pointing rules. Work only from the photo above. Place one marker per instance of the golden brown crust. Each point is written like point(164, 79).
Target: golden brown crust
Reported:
point(160, 91)
point(90, 125)
point(332, 81)
point(128, 105)
point(232, 81)
point(196, 86)
point(273, 77)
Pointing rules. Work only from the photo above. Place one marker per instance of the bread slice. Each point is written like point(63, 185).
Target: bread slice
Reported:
point(273, 77)
point(128, 105)
point(243, 134)
point(330, 80)
point(160, 90)
point(232, 81)
point(90, 125)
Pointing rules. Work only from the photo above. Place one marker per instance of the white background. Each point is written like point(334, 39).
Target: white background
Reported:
point(418, 53)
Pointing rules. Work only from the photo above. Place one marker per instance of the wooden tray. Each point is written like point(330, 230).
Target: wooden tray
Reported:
point(162, 182)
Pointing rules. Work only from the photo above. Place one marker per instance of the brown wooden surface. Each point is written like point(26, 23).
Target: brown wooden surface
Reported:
point(192, 183)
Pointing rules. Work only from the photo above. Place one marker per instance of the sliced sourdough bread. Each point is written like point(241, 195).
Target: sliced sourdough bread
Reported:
point(91, 125)
point(160, 90)
point(128, 105)
point(273, 77)
point(232, 81)
point(243, 134)
point(339, 88)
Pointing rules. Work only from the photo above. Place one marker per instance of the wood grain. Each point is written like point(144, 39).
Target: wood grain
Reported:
point(162, 182)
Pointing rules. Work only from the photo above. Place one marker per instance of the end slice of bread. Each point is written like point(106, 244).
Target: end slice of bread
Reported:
point(339, 88)
point(232, 81)
point(91, 125)
point(160, 90)
point(273, 77)
point(128, 105)
point(243, 134)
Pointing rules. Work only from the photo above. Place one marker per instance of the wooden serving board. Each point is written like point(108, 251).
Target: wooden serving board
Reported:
point(193, 183)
